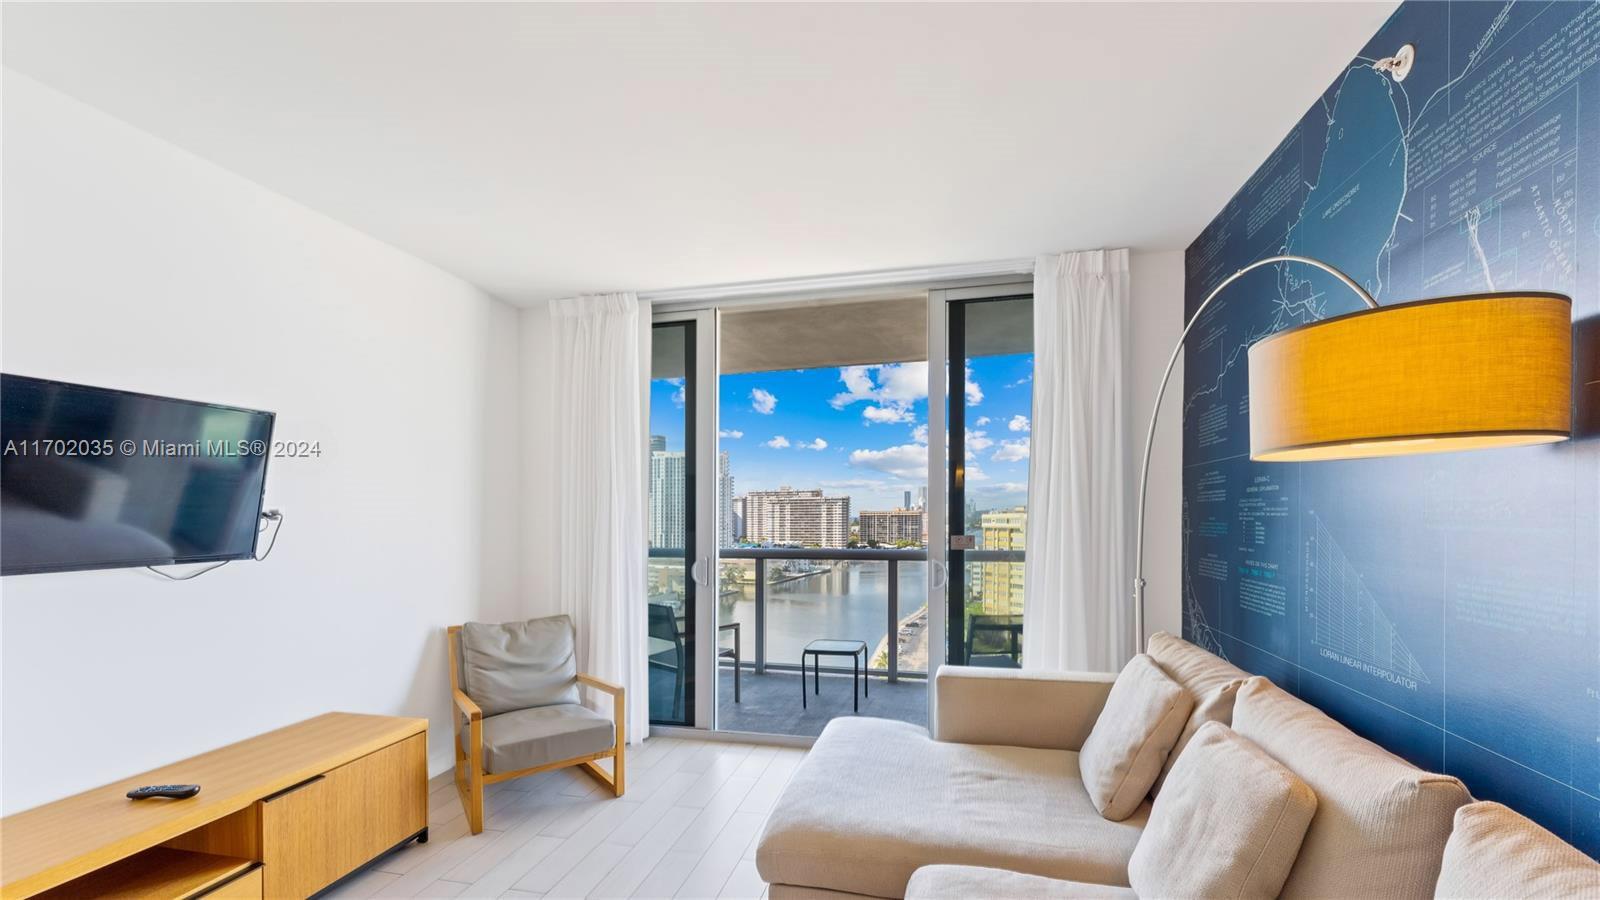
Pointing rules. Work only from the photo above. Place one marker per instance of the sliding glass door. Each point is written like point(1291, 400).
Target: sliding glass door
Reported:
point(989, 337)
point(679, 578)
point(802, 500)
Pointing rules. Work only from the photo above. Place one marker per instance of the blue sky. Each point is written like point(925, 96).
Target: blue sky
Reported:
point(861, 430)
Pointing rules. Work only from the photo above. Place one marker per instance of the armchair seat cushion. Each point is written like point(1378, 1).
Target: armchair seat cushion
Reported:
point(534, 737)
point(875, 800)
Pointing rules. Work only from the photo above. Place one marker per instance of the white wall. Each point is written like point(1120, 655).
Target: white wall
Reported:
point(539, 488)
point(1157, 322)
point(130, 263)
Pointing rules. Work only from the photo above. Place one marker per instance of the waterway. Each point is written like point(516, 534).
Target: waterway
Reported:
point(849, 600)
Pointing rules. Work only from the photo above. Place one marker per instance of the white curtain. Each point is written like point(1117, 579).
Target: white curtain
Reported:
point(1077, 608)
point(598, 433)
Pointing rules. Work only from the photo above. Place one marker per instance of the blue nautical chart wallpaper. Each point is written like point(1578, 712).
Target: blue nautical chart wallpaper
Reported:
point(1446, 606)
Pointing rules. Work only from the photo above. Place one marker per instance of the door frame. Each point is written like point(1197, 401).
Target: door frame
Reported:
point(945, 495)
point(700, 507)
point(706, 314)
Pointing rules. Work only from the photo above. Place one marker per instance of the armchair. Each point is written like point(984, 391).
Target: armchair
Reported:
point(516, 693)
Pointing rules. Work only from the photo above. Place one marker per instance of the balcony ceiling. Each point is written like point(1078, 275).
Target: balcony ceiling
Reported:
point(545, 150)
point(844, 333)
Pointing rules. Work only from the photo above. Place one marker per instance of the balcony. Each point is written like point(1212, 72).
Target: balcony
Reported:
point(773, 601)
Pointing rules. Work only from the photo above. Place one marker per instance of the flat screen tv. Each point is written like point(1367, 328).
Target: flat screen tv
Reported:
point(92, 478)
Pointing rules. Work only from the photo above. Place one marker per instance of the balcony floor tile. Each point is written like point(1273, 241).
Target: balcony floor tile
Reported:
point(771, 702)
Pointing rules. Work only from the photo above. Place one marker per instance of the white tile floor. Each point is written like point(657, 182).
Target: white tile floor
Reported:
point(686, 827)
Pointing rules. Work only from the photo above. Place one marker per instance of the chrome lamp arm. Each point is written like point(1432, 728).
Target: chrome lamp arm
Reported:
point(1150, 435)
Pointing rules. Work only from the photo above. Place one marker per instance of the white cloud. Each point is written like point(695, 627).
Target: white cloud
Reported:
point(974, 392)
point(1011, 451)
point(982, 421)
point(731, 433)
point(874, 484)
point(902, 461)
point(818, 444)
point(778, 442)
point(979, 440)
point(884, 415)
point(1020, 382)
point(905, 383)
point(976, 474)
point(763, 402)
point(890, 390)
point(1019, 423)
point(920, 433)
point(1005, 487)
point(857, 386)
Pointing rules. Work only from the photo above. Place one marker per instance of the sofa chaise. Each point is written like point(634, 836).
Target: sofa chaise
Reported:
point(993, 799)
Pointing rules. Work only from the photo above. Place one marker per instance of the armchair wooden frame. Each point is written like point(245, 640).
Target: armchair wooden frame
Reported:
point(469, 772)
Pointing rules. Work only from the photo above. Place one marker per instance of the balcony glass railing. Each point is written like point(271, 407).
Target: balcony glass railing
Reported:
point(783, 598)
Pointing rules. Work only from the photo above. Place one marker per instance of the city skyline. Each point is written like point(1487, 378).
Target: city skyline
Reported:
point(861, 431)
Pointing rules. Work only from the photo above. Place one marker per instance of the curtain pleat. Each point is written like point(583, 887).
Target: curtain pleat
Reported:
point(599, 437)
point(1077, 608)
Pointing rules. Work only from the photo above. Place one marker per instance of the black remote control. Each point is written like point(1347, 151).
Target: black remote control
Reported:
point(175, 791)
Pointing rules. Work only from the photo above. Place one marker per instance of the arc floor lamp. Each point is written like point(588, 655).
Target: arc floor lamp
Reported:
point(1453, 373)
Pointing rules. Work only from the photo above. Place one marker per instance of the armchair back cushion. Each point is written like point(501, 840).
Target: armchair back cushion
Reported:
point(519, 665)
point(1142, 718)
point(1228, 825)
point(1211, 680)
point(1381, 823)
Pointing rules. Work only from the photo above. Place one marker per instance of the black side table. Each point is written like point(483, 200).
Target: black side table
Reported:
point(833, 647)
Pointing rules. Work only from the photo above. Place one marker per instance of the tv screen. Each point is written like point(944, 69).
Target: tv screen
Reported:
point(92, 478)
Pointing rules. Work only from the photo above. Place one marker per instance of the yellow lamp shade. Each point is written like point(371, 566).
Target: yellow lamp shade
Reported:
point(1453, 373)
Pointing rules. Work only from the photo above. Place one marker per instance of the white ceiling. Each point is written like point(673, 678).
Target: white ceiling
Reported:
point(545, 150)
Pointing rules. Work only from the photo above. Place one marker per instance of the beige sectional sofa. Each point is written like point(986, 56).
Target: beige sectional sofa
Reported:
point(990, 802)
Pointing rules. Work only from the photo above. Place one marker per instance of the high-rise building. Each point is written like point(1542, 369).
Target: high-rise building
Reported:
point(804, 517)
point(738, 518)
point(667, 496)
point(922, 497)
point(906, 504)
point(891, 526)
point(726, 535)
point(998, 585)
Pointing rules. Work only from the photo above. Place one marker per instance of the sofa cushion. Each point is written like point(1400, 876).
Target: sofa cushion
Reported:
point(532, 737)
point(1210, 679)
point(1495, 851)
point(1255, 813)
point(1142, 719)
point(1381, 823)
point(967, 882)
point(519, 665)
point(875, 800)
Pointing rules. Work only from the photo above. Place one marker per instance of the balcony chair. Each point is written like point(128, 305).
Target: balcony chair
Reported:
point(516, 688)
point(995, 641)
point(731, 653)
point(666, 662)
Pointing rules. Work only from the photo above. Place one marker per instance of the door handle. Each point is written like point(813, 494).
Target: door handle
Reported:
point(698, 571)
point(941, 574)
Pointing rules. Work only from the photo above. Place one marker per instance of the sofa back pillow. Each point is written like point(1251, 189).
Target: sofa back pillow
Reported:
point(1228, 825)
point(1121, 757)
point(1210, 679)
point(1495, 851)
point(519, 665)
point(1381, 823)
